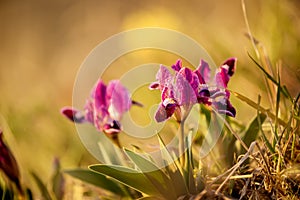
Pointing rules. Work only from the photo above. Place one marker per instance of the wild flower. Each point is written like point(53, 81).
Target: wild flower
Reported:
point(104, 109)
point(218, 95)
point(179, 92)
point(177, 95)
point(8, 164)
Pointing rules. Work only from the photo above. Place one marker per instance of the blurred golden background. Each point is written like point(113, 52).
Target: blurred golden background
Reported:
point(43, 44)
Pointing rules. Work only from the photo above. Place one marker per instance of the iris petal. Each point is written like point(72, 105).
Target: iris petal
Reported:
point(231, 63)
point(177, 66)
point(225, 107)
point(100, 95)
point(161, 114)
point(113, 128)
point(154, 85)
point(73, 114)
point(186, 73)
point(224, 73)
point(184, 93)
point(163, 76)
point(119, 99)
point(203, 72)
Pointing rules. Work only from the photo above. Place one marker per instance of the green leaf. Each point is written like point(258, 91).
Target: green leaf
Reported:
point(253, 130)
point(142, 163)
point(155, 175)
point(166, 156)
point(41, 186)
point(173, 170)
point(98, 180)
point(127, 176)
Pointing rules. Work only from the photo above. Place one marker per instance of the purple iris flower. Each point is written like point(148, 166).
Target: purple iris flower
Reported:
point(105, 107)
point(182, 90)
point(8, 164)
point(177, 95)
point(219, 96)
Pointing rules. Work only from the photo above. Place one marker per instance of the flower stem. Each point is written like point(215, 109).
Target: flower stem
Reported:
point(181, 143)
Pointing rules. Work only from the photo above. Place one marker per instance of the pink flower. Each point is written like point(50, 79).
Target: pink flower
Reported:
point(178, 95)
point(105, 107)
point(8, 164)
point(218, 96)
point(182, 90)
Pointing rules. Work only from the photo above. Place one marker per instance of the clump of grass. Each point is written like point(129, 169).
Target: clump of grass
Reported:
point(274, 168)
point(267, 166)
point(270, 168)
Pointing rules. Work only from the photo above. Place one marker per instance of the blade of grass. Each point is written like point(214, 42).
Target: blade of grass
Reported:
point(264, 58)
point(236, 166)
point(42, 187)
point(284, 90)
point(293, 147)
point(296, 101)
point(263, 70)
point(266, 64)
point(266, 141)
point(287, 130)
point(256, 106)
point(28, 194)
point(297, 113)
point(231, 130)
point(277, 106)
point(296, 117)
point(280, 160)
point(268, 144)
point(149, 198)
point(248, 28)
